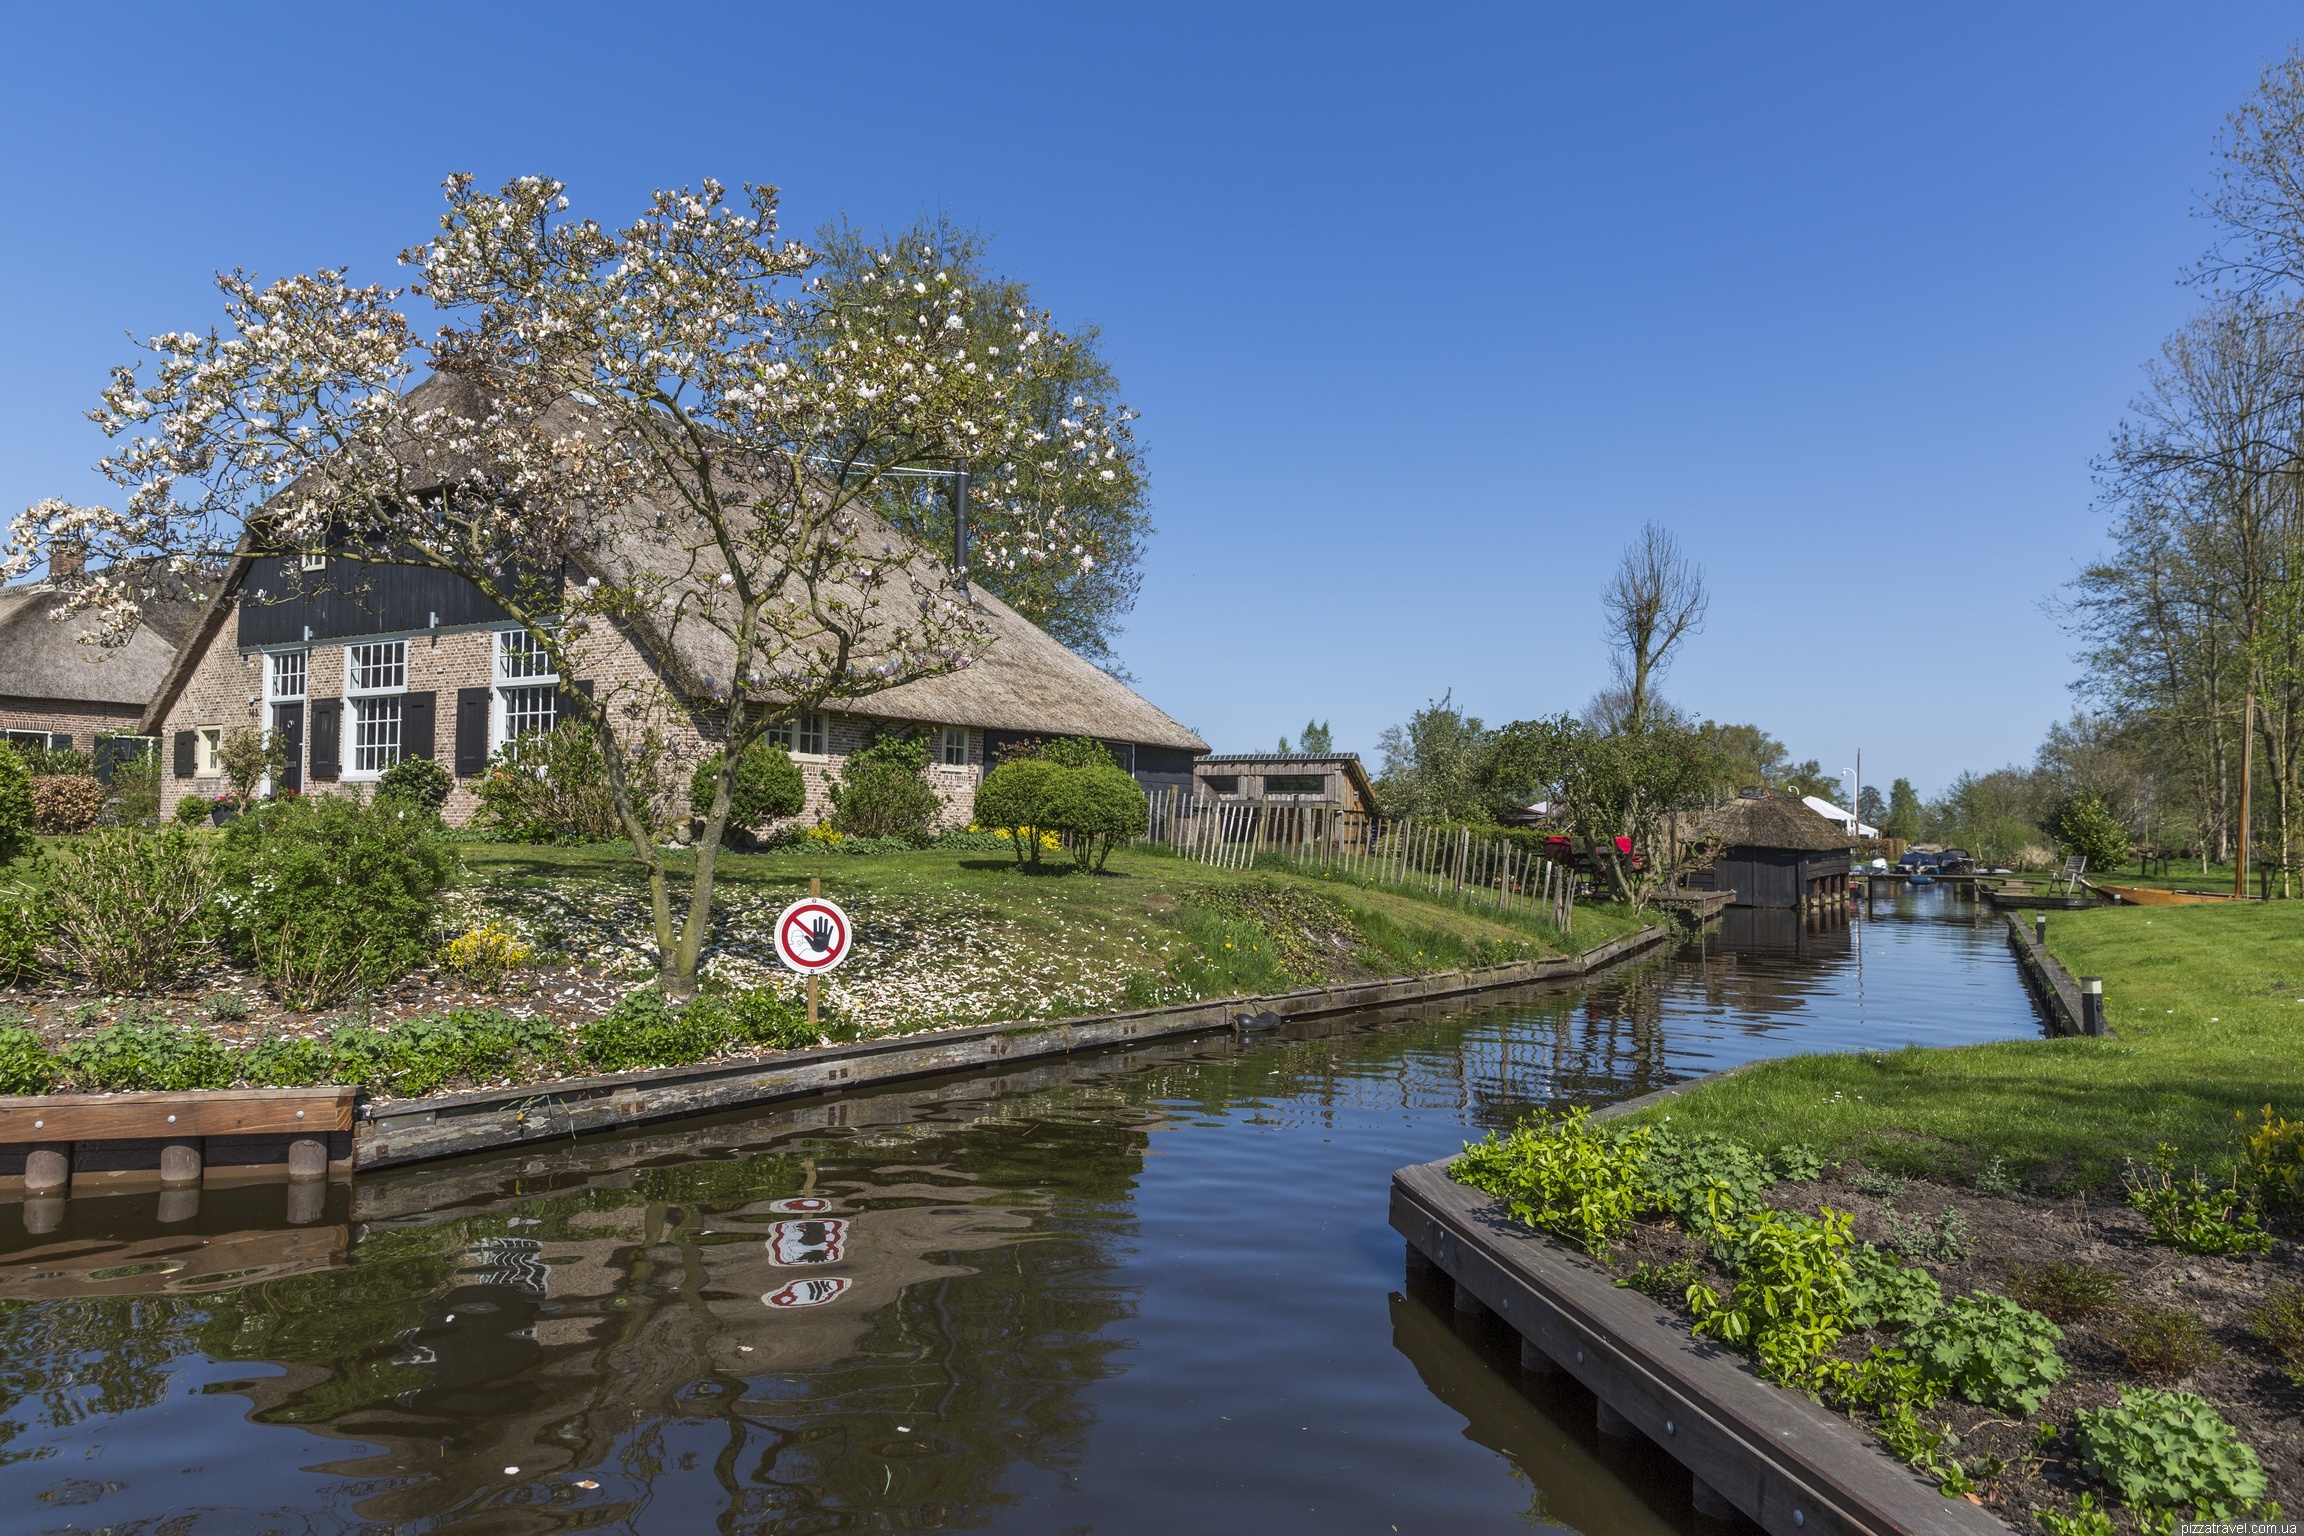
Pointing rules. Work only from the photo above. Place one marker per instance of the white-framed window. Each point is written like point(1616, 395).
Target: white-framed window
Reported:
point(207, 742)
point(527, 687)
point(284, 673)
point(375, 676)
point(802, 736)
point(953, 749)
point(311, 560)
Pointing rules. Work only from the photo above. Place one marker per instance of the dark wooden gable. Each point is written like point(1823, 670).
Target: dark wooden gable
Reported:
point(283, 604)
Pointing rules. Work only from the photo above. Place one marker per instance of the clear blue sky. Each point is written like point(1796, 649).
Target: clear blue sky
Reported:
point(1426, 309)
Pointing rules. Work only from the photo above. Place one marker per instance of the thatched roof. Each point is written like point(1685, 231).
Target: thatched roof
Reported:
point(1023, 680)
point(1772, 821)
point(42, 657)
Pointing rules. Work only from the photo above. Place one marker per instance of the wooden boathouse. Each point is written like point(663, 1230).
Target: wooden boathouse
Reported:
point(1773, 851)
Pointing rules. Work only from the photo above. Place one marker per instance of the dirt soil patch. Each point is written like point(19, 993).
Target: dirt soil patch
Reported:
point(2006, 1234)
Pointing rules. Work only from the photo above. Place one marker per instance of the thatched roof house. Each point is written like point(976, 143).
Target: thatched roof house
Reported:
point(59, 688)
point(1773, 851)
point(358, 664)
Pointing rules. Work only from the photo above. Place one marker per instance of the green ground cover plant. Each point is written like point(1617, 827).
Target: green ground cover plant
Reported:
point(1884, 1294)
point(1562, 1174)
point(645, 1031)
point(2063, 1291)
point(1990, 1350)
point(2170, 1451)
point(2208, 1007)
point(2190, 1213)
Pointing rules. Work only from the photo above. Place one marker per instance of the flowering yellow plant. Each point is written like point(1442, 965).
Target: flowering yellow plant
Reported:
point(488, 954)
point(823, 832)
point(1048, 840)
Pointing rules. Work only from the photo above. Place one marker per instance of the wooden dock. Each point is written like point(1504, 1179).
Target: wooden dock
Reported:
point(61, 1144)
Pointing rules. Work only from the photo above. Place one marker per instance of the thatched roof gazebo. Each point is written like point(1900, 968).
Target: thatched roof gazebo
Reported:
point(1774, 852)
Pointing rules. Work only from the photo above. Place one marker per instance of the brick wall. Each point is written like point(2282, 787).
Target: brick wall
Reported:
point(64, 717)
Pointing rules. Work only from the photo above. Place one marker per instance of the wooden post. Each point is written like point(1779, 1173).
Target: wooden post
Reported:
point(815, 888)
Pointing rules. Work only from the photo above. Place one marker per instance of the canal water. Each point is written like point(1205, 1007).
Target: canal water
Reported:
point(1145, 1292)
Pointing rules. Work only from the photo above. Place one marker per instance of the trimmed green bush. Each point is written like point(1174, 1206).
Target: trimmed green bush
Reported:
point(15, 805)
point(884, 791)
point(1097, 807)
point(768, 787)
point(325, 894)
point(1016, 798)
point(417, 780)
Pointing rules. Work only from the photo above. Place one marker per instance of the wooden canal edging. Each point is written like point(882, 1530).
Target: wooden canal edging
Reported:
point(55, 1144)
point(1792, 1466)
point(2051, 984)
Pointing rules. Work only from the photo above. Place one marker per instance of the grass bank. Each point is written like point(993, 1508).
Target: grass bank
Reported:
point(2208, 1008)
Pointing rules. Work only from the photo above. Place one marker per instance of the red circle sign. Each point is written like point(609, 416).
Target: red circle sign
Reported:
point(812, 936)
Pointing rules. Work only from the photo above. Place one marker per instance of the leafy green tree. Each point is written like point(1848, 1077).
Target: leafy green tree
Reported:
point(15, 805)
point(1753, 757)
point(1078, 591)
point(1905, 816)
point(1809, 778)
point(1632, 783)
point(1098, 807)
point(1017, 798)
point(2085, 827)
point(1314, 738)
point(1077, 752)
point(1432, 765)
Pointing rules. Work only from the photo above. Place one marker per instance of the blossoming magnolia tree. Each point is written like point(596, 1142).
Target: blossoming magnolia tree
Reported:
point(679, 410)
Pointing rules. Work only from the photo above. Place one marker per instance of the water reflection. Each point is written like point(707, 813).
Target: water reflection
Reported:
point(1147, 1291)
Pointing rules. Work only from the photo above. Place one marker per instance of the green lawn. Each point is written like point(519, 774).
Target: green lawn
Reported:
point(951, 937)
point(2208, 1008)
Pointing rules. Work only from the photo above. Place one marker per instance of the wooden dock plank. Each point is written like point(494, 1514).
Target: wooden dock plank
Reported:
point(69, 1117)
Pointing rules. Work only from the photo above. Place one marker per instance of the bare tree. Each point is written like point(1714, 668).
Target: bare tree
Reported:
point(1656, 601)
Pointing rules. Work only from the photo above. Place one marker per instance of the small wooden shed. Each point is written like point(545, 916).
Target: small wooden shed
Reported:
point(1774, 852)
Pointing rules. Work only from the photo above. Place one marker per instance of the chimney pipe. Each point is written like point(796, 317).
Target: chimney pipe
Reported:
point(66, 557)
point(960, 530)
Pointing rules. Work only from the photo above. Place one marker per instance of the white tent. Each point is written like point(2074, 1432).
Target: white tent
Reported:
point(1827, 809)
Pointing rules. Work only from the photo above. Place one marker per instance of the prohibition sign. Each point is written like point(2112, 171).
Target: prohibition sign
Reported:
point(812, 936)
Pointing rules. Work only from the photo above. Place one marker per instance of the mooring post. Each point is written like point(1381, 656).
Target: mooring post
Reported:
point(1420, 1267)
point(2092, 1005)
point(1710, 1502)
point(307, 1202)
point(47, 1171)
point(1614, 1425)
point(179, 1164)
point(43, 1214)
point(1469, 1308)
point(2040, 927)
point(307, 1159)
point(1533, 1360)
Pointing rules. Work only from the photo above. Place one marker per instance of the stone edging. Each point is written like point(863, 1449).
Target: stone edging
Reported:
point(1789, 1464)
point(398, 1132)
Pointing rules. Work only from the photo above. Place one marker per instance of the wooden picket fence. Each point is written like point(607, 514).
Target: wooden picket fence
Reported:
point(1399, 853)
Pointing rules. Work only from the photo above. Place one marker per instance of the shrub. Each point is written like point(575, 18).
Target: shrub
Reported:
point(16, 825)
point(2190, 1213)
point(1563, 1175)
point(1990, 1350)
point(1076, 752)
point(2162, 1343)
point(327, 894)
point(192, 810)
point(1014, 798)
point(2064, 1291)
point(883, 791)
point(419, 781)
point(2280, 1323)
point(136, 788)
point(974, 841)
point(133, 1056)
point(2085, 826)
point(130, 907)
point(768, 787)
point(2274, 1154)
point(1885, 1294)
point(1098, 807)
point(248, 757)
point(1704, 1181)
point(1790, 1300)
point(2169, 1450)
point(487, 955)
point(66, 803)
point(552, 786)
point(26, 1066)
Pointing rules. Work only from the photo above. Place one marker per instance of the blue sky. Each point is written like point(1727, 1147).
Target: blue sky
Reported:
point(1426, 309)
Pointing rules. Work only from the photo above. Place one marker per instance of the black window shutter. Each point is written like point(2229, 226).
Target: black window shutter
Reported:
point(472, 732)
point(59, 742)
point(563, 707)
point(327, 738)
point(186, 750)
point(416, 712)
